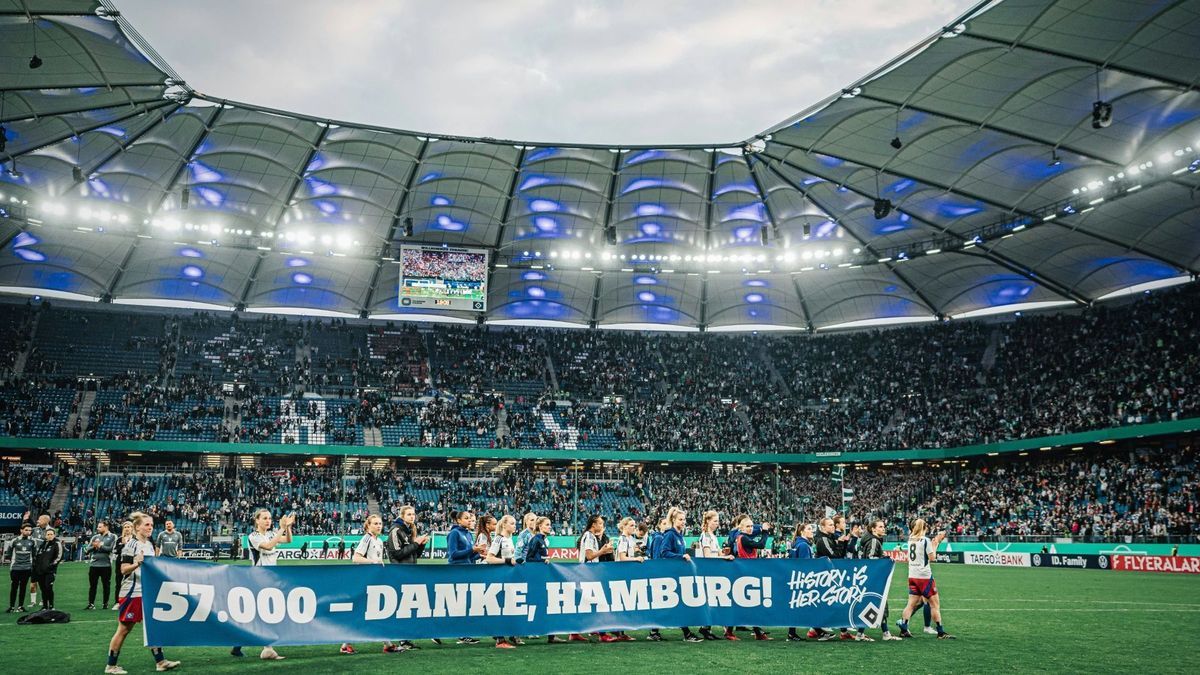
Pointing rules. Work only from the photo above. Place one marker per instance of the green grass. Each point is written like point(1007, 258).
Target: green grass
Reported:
point(1007, 619)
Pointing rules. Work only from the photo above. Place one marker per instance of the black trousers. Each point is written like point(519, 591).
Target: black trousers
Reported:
point(45, 583)
point(20, 582)
point(102, 575)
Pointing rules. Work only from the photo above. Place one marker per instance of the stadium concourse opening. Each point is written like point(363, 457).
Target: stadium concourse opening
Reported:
point(918, 363)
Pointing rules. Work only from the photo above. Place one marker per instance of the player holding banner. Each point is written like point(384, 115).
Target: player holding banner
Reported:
point(871, 548)
point(130, 609)
point(263, 553)
point(920, 578)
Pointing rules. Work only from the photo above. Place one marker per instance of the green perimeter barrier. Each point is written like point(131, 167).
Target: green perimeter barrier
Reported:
point(784, 457)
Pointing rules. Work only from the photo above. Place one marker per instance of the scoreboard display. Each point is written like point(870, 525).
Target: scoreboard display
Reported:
point(435, 277)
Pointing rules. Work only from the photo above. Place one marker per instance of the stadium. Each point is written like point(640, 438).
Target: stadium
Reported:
point(940, 324)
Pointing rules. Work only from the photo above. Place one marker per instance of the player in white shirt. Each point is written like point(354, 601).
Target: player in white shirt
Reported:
point(501, 551)
point(264, 553)
point(627, 544)
point(921, 586)
point(709, 546)
point(369, 551)
point(133, 553)
point(590, 551)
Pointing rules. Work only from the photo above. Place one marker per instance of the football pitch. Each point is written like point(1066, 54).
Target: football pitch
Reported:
point(1006, 619)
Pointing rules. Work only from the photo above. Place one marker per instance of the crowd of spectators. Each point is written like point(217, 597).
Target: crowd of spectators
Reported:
point(475, 361)
point(942, 385)
point(1100, 495)
point(270, 420)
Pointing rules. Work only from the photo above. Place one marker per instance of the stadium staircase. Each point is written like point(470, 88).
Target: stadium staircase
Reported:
point(233, 413)
point(62, 490)
point(176, 336)
point(764, 355)
point(502, 423)
point(372, 504)
point(372, 437)
point(993, 347)
point(85, 412)
point(740, 413)
point(23, 356)
point(893, 421)
point(550, 368)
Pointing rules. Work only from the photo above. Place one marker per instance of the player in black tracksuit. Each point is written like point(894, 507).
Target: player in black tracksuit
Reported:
point(829, 544)
point(405, 545)
point(870, 547)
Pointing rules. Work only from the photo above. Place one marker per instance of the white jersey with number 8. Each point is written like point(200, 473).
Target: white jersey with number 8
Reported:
point(920, 551)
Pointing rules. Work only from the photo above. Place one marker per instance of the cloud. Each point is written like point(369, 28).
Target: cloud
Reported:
point(697, 71)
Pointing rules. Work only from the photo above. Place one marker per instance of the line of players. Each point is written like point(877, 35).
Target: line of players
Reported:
point(488, 540)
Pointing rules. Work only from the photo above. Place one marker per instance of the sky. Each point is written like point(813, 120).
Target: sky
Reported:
point(583, 71)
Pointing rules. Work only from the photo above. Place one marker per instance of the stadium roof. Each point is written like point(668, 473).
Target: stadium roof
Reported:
point(1001, 195)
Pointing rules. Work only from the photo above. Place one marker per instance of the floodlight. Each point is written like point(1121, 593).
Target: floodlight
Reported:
point(1102, 114)
point(883, 207)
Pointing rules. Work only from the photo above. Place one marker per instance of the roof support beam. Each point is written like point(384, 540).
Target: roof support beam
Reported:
point(291, 196)
point(83, 85)
point(88, 129)
point(112, 285)
point(775, 228)
point(1121, 244)
point(1105, 65)
point(996, 257)
point(709, 181)
point(891, 267)
point(609, 207)
point(186, 158)
point(386, 249)
point(1049, 143)
point(988, 254)
point(594, 312)
point(74, 111)
point(121, 147)
point(512, 197)
point(926, 181)
point(1057, 287)
point(108, 293)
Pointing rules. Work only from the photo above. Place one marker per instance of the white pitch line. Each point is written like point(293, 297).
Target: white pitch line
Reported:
point(1070, 609)
point(1080, 602)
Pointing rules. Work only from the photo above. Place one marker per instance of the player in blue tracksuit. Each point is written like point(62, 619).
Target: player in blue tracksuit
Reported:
point(802, 545)
point(654, 541)
point(670, 546)
point(801, 548)
point(461, 550)
point(654, 551)
point(460, 543)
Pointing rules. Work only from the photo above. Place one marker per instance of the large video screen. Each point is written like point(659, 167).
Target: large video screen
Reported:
point(443, 278)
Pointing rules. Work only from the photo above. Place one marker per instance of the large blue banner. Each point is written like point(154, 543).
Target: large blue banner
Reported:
point(190, 603)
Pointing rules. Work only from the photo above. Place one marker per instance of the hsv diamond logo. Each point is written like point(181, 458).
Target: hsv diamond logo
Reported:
point(871, 614)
